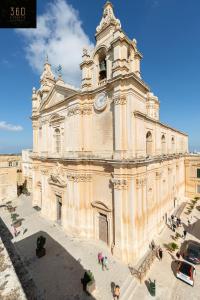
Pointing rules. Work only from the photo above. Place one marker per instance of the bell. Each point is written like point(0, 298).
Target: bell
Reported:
point(102, 66)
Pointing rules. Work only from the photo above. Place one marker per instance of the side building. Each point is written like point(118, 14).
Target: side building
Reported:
point(27, 170)
point(104, 166)
point(10, 176)
point(192, 175)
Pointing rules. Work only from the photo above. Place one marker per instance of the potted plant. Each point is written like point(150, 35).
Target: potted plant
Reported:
point(88, 282)
point(173, 246)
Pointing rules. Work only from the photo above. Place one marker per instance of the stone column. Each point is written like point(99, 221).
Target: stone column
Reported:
point(144, 206)
point(120, 134)
point(35, 136)
point(158, 199)
point(118, 187)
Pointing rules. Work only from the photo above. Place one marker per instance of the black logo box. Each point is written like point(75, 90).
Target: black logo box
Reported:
point(18, 13)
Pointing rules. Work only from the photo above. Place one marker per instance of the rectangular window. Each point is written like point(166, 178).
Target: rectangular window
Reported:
point(198, 173)
point(198, 189)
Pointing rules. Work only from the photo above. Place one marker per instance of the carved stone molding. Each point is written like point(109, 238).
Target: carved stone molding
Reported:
point(35, 168)
point(158, 174)
point(119, 183)
point(169, 170)
point(56, 180)
point(79, 110)
point(79, 177)
point(45, 172)
point(140, 182)
point(121, 100)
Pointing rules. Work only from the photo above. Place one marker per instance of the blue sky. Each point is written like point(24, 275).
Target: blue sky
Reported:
point(167, 34)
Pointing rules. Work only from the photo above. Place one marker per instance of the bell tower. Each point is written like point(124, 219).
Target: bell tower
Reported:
point(114, 54)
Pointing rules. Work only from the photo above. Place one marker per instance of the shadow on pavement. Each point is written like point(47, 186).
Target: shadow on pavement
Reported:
point(174, 265)
point(193, 229)
point(21, 271)
point(57, 275)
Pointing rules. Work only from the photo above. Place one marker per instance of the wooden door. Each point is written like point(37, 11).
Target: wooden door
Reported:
point(103, 228)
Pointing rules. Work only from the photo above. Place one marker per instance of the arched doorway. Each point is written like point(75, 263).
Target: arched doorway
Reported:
point(102, 222)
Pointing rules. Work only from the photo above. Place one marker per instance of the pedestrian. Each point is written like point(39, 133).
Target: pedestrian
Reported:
point(112, 248)
point(189, 222)
point(178, 255)
point(160, 252)
point(116, 292)
point(100, 255)
point(172, 217)
point(184, 233)
point(177, 222)
point(174, 227)
point(105, 263)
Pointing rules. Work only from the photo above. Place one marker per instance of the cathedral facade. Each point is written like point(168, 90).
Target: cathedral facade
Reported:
point(104, 166)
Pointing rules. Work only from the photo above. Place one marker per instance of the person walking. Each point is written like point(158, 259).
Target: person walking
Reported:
point(105, 263)
point(116, 292)
point(174, 227)
point(100, 256)
point(178, 255)
point(160, 252)
point(184, 233)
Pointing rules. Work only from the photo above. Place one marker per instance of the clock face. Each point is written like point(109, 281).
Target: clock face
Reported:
point(101, 101)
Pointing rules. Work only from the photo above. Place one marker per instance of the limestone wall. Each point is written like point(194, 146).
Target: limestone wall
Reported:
point(8, 278)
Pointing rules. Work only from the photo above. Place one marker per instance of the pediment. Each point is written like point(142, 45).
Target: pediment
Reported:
point(100, 205)
point(56, 95)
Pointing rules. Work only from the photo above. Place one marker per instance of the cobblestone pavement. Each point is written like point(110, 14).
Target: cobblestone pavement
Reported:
point(168, 287)
point(57, 275)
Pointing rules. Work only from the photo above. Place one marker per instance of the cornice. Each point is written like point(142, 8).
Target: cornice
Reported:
point(126, 163)
point(144, 116)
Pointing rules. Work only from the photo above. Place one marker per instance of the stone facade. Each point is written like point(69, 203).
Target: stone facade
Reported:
point(10, 176)
point(192, 175)
point(104, 166)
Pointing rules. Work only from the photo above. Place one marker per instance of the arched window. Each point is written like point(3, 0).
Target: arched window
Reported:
point(57, 140)
point(149, 143)
point(102, 65)
point(163, 144)
point(173, 145)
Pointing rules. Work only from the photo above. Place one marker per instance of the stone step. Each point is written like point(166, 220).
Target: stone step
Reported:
point(128, 288)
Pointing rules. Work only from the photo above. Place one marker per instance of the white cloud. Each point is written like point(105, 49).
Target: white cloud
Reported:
point(59, 34)
point(6, 126)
